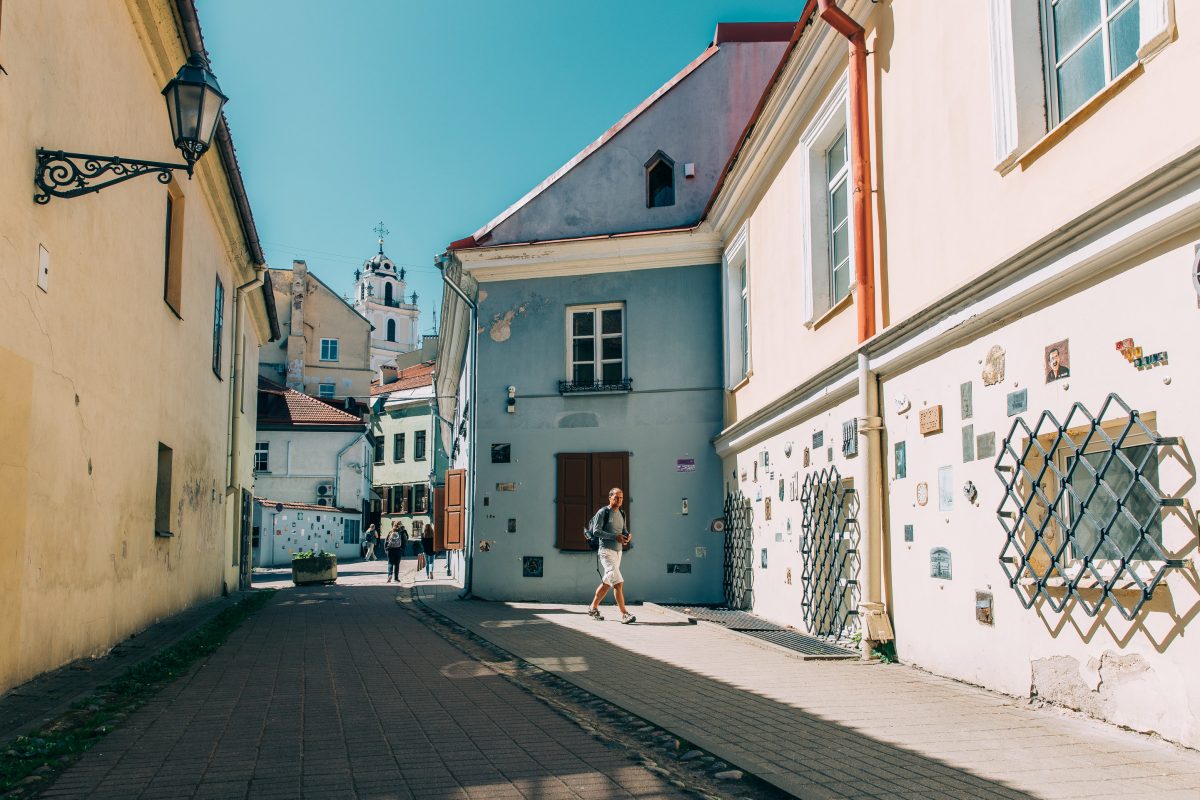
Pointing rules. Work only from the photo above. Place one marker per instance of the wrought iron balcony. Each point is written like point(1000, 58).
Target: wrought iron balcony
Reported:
point(571, 387)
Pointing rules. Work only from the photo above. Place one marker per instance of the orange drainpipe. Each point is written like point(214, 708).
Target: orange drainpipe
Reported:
point(860, 160)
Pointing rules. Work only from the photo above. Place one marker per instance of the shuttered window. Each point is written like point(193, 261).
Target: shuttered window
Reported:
point(584, 480)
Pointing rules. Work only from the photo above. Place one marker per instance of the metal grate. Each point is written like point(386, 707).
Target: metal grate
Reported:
point(829, 552)
point(1082, 510)
point(738, 567)
point(759, 628)
point(571, 387)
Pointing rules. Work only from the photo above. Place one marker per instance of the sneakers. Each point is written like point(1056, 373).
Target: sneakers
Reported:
point(594, 613)
point(628, 618)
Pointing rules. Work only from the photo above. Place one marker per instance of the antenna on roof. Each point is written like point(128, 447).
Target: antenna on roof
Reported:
point(381, 231)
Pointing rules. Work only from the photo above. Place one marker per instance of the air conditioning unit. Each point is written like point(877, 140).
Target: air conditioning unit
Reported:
point(321, 501)
point(324, 490)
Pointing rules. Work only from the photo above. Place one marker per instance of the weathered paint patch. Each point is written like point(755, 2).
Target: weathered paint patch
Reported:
point(579, 419)
point(16, 397)
point(1090, 688)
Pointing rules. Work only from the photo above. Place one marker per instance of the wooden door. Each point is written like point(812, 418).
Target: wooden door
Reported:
point(452, 499)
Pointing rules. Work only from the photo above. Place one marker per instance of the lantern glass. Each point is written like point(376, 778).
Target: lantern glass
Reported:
point(194, 102)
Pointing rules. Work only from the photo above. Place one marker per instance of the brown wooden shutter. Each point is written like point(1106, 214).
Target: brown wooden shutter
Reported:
point(574, 499)
point(455, 508)
point(439, 519)
point(609, 470)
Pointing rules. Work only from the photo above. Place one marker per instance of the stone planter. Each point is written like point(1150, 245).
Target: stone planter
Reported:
point(314, 569)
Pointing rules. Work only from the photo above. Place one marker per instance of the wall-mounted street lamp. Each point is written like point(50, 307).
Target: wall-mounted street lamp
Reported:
point(194, 101)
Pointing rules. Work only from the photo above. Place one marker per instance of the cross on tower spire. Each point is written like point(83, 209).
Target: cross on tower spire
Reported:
point(382, 232)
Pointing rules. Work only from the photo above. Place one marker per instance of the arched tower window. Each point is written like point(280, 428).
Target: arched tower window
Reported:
point(387, 293)
point(660, 181)
point(391, 327)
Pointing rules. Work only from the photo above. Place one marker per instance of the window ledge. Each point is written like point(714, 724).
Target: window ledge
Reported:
point(1077, 118)
point(833, 310)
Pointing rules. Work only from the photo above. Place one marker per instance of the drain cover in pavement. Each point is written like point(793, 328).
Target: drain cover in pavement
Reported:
point(759, 628)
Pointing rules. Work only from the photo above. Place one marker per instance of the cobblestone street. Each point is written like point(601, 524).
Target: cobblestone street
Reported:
point(336, 692)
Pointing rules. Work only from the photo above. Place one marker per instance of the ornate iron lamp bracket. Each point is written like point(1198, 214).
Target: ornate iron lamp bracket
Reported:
point(63, 174)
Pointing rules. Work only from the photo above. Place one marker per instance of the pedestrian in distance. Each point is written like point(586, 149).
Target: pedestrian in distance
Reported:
point(395, 551)
point(608, 526)
point(427, 549)
point(369, 543)
point(398, 525)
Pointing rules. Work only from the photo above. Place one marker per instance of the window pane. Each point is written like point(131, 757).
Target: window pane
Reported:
point(584, 373)
point(841, 281)
point(839, 248)
point(584, 350)
point(835, 157)
point(583, 323)
point(610, 321)
point(611, 347)
point(1074, 20)
point(613, 373)
point(1081, 77)
point(1140, 503)
point(1123, 38)
point(838, 208)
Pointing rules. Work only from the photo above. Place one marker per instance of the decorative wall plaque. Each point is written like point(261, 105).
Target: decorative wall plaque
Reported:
point(985, 445)
point(908, 533)
point(532, 566)
point(512, 525)
point(501, 453)
point(946, 488)
point(965, 400)
point(993, 366)
point(680, 569)
point(764, 558)
point(781, 488)
point(922, 493)
point(807, 457)
point(901, 460)
point(968, 443)
point(931, 420)
point(983, 608)
point(767, 508)
point(788, 577)
point(818, 439)
point(1017, 402)
point(1057, 361)
point(939, 564)
point(850, 437)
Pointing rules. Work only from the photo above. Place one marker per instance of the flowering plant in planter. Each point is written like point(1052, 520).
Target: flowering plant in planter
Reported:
point(313, 567)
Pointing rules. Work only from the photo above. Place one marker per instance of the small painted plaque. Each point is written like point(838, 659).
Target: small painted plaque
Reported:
point(1017, 402)
point(779, 536)
point(939, 564)
point(532, 566)
point(931, 420)
point(818, 439)
point(512, 525)
point(908, 533)
point(782, 488)
point(901, 460)
point(983, 608)
point(985, 445)
point(922, 493)
point(764, 558)
point(993, 366)
point(946, 488)
point(850, 437)
point(685, 465)
point(679, 569)
point(501, 453)
point(968, 443)
point(965, 399)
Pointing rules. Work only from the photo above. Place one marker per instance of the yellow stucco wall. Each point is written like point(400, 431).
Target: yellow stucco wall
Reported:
point(99, 369)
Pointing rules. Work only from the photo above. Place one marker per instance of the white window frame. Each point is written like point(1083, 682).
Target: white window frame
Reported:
point(1019, 91)
point(831, 119)
point(327, 391)
point(330, 349)
point(599, 361)
point(1053, 60)
point(263, 450)
point(738, 336)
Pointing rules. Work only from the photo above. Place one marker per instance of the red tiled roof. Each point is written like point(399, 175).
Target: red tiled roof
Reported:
point(413, 377)
point(284, 406)
point(266, 503)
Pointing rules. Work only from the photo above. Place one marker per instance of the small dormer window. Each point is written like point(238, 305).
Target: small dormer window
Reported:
point(660, 181)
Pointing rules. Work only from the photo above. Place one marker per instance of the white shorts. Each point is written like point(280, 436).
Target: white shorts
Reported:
point(610, 564)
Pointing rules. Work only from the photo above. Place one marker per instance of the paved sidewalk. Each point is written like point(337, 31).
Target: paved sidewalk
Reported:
point(337, 692)
point(830, 729)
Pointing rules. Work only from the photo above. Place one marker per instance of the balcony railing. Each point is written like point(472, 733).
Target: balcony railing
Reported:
point(571, 387)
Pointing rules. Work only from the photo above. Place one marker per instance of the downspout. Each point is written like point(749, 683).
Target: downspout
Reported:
point(870, 424)
point(860, 159)
point(473, 410)
point(234, 428)
point(337, 469)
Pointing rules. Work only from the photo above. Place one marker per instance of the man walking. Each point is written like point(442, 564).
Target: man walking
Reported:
point(609, 526)
point(369, 543)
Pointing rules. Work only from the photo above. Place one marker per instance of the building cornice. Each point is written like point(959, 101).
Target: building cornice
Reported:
point(593, 255)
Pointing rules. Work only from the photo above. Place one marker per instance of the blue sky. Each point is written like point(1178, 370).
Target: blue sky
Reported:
point(430, 116)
